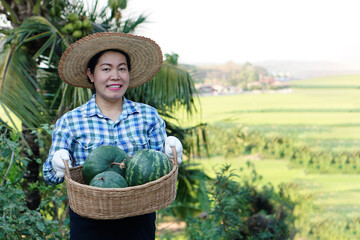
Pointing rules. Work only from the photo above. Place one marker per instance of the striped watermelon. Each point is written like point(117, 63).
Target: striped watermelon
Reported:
point(145, 166)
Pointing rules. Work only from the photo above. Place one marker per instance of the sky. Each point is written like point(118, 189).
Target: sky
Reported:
point(217, 32)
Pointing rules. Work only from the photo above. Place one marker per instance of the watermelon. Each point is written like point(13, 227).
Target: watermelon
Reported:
point(109, 179)
point(145, 166)
point(104, 158)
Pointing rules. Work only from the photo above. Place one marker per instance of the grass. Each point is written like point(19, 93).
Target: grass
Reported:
point(350, 81)
point(274, 170)
point(325, 112)
point(333, 197)
point(315, 107)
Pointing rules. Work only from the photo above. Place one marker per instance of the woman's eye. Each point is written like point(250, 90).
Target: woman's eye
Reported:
point(106, 69)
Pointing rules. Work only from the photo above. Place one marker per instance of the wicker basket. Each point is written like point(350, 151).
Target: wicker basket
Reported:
point(115, 203)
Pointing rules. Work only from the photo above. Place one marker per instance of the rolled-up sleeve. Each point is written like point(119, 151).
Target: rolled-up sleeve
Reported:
point(61, 139)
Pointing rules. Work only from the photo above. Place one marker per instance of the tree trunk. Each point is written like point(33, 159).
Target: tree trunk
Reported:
point(32, 170)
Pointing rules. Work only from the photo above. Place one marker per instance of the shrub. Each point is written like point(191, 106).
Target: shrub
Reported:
point(240, 210)
point(16, 220)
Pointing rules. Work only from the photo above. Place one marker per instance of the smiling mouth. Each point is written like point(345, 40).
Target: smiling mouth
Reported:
point(115, 87)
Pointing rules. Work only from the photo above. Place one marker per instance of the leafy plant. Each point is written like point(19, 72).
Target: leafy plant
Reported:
point(192, 194)
point(240, 211)
point(16, 220)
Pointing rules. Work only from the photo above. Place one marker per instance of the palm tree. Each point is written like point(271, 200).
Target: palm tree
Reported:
point(30, 86)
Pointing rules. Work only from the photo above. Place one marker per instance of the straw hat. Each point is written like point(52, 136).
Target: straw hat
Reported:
point(145, 57)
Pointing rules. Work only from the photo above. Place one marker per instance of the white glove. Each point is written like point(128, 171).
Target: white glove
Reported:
point(58, 164)
point(172, 141)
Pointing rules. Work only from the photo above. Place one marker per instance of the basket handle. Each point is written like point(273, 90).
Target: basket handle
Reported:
point(67, 169)
point(174, 160)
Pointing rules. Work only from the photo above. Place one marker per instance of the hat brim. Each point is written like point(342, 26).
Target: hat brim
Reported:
point(145, 57)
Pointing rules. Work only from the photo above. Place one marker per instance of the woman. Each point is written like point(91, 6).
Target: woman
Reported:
point(110, 63)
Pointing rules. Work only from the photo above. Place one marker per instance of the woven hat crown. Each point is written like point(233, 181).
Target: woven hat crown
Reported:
point(145, 57)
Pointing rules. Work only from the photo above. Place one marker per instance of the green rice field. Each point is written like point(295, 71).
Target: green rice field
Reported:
point(322, 111)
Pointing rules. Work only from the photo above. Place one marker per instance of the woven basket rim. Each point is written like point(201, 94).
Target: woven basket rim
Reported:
point(145, 185)
point(116, 203)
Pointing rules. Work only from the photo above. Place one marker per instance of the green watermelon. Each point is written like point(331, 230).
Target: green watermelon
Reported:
point(104, 158)
point(109, 179)
point(145, 166)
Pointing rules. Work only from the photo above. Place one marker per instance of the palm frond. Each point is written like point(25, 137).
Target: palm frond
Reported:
point(171, 88)
point(19, 90)
point(42, 32)
point(131, 23)
point(72, 97)
point(49, 41)
point(13, 16)
point(192, 196)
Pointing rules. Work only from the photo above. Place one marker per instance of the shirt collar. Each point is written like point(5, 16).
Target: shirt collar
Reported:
point(129, 107)
point(91, 108)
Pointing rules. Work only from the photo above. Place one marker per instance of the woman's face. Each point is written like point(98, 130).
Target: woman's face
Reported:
point(111, 77)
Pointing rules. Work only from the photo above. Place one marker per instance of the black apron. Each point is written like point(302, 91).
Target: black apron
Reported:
point(132, 228)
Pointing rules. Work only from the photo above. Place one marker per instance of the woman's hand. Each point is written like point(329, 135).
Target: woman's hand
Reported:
point(58, 164)
point(172, 141)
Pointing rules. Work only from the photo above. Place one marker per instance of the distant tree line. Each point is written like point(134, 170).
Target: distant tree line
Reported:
point(248, 73)
point(230, 74)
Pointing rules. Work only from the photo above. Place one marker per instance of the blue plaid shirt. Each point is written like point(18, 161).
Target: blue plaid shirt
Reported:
point(85, 128)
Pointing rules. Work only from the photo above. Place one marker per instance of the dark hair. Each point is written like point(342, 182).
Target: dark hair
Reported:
point(95, 59)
